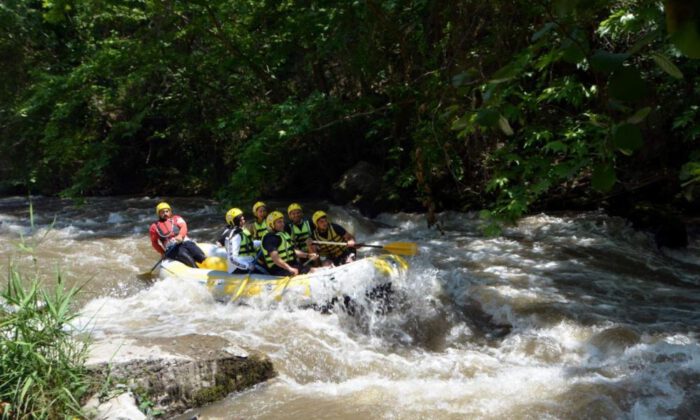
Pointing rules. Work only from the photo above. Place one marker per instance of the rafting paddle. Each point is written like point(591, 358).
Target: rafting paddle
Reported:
point(398, 248)
point(147, 275)
point(241, 288)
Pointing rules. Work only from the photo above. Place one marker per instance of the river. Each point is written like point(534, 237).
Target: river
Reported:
point(563, 316)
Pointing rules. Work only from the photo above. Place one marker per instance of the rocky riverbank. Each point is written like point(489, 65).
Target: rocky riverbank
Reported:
point(169, 375)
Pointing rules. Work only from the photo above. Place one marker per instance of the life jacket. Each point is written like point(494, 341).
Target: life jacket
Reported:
point(167, 229)
point(285, 250)
point(247, 249)
point(331, 251)
point(300, 234)
point(260, 229)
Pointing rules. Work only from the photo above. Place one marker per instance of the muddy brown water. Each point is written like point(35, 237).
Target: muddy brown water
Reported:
point(564, 316)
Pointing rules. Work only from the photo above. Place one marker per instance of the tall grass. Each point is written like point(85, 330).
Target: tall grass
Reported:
point(42, 373)
point(42, 364)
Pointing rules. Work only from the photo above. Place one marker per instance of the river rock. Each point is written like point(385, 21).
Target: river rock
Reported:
point(172, 374)
point(121, 407)
point(667, 227)
point(359, 186)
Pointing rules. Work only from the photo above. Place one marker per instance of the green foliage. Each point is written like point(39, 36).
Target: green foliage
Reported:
point(683, 19)
point(579, 101)
point(41, 364)
point(503, 104)
point(42, 372)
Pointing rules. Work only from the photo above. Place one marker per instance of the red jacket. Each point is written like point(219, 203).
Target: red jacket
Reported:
point(163, 231)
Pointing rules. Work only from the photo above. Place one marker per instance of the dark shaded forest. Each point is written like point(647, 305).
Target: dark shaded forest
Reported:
point(508, 107)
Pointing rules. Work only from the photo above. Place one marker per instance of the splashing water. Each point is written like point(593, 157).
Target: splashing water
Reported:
point(563, 316)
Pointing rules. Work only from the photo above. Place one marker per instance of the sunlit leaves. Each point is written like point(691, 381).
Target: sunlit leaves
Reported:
point(485, 118)
point(566, 90)
point(496, 183)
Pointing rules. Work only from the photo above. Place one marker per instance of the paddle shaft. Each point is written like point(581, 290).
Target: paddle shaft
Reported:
point(148, 273)
point(345, 244)
point(157, 264)
point(400, 248)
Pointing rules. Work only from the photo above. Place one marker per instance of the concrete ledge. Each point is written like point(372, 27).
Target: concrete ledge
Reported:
point(175, 374)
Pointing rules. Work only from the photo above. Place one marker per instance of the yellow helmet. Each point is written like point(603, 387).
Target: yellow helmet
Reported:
point(319, 214)
point(232, 214)
point(293, 206)
point(162, 206)
point(272, 217)
point(257, 205)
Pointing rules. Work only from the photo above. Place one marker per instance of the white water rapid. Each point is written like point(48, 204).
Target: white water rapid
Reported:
point(566, 316)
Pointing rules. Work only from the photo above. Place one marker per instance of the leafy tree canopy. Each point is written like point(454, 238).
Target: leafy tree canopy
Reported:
point(508, 106)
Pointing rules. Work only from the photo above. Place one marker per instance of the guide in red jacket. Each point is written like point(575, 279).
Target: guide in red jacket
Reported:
point(169, 237)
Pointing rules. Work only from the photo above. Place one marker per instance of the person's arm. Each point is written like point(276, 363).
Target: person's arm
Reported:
point(155, 243)
point(347, 236)
point(180, 222)
point(349, 239)
point(275, 256)
point(311, 246)
point(308, 255)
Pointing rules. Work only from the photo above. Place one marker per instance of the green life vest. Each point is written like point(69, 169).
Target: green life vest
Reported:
point(285, 250)
point(331, 251)
point(260, 229)
point(301, 234)
point(247, 249)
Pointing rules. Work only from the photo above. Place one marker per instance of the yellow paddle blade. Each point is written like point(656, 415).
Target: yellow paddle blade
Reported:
point(402, 248)
point(147, 275)
point(241, 288)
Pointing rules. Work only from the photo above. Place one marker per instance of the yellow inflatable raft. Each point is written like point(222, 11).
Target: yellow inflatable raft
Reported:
point(353, 279)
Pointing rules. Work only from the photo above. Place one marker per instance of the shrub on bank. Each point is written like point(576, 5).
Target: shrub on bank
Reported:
point(42, 364)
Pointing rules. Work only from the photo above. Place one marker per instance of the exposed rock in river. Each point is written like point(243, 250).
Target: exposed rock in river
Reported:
point(360, 186)
point(174, 374)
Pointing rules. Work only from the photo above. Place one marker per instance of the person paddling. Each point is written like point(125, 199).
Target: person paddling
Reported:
point(221, 240)
point(169, 237)
point(325, 231)
point(299, 227)
point(278, 253)
point(259, 225)
point(240, 246)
